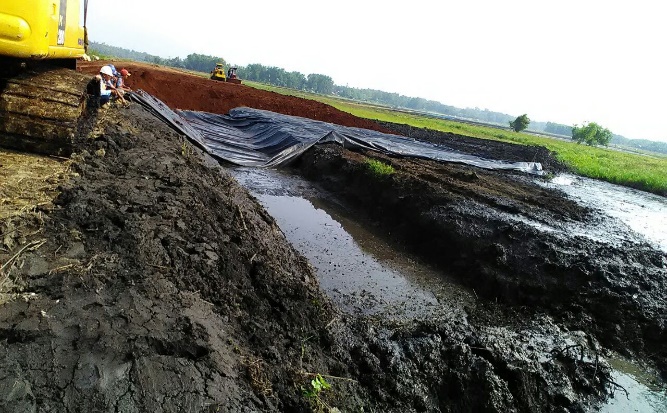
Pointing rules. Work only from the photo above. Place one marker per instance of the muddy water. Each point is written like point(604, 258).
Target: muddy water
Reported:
point(645, 392)
point(644, 213)
point(363, 274)
point(358, 270)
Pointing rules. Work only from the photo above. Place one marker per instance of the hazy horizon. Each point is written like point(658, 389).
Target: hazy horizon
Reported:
point(566, 62)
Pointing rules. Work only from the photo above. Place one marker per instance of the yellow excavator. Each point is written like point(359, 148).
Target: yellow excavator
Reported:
point(42, 97)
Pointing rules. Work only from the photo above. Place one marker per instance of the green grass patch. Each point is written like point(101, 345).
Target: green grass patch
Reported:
point(643, 171)
point(379, 168)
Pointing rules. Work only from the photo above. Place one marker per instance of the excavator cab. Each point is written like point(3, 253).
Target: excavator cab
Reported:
point(219, 72)
point(232, 77)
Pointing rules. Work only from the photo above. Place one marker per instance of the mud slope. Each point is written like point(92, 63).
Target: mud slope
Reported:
point(157, 284)
point(511, 241)
point(152, 280)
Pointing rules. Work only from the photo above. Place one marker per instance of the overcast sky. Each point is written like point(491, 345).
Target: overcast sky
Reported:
point(563, 61)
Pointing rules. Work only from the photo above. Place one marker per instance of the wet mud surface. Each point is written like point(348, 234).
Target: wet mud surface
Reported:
point(359, 270)
point(463, 220)
point(644, 213)
point(156, 282)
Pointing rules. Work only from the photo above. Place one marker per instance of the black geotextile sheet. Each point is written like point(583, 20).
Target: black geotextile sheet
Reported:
point(253, 137)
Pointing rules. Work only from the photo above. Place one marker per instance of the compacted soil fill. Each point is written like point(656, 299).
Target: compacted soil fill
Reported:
point(150, 280)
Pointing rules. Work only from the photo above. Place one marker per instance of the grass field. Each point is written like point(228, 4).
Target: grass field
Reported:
point(642, 171)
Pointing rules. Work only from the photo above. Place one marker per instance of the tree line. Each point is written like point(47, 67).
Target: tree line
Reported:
point(194, 61)
point(323, 84)
point(591, 133)
point(276, 76)
point(317, 83)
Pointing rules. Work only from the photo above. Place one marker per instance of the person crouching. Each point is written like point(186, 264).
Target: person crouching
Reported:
point(108, 89)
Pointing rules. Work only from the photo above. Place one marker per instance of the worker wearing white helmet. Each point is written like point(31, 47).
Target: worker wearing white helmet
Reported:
point(105, 79)
point(106, 70)
point(107, 86)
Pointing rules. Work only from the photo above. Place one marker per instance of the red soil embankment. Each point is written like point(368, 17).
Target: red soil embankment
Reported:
point(183, 90)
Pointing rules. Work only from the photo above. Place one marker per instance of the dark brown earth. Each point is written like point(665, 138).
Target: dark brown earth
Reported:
point(163, 286)
point(154, 282)
point(452, 215)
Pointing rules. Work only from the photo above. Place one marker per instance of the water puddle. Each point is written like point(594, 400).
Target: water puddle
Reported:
point(644, 213)
point(363, 274)
point(645, 392)
point(358, 270)
point(641, 392)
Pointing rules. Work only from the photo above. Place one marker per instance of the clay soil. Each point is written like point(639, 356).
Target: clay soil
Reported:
point(154, 282)
point(183, 90)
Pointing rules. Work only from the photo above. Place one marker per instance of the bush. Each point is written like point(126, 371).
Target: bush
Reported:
point(591, 134)
point(520, 123)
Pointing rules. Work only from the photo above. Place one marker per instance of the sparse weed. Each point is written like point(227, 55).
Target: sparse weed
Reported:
point(186, 149)
point(379, 168)
point(312, 394)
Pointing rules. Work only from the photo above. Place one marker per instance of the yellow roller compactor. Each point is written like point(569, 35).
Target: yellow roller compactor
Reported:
point(42, 97)
point(219, 72)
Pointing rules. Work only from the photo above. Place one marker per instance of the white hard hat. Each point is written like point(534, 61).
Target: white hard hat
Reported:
point(106, 70)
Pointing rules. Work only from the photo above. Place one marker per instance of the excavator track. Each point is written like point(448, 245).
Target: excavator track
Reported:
point(41, 110)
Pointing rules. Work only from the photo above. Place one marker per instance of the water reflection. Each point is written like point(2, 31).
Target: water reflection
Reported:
point(363, 274)
point(354, 267)
point(645, 393)
point(643, 212)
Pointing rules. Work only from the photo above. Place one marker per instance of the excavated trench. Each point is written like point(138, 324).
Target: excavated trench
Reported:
point(500, 235)
point(163, 285)
point(155, 282)
point(366, 272)
point(357, 268)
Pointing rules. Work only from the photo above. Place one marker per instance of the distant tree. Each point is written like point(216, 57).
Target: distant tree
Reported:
point(320, 83)
point(558, 129)
point(253, 71)
point(201, 62)
point(174, 62)
point(591, 134)
point(520, 123)
point(296, 80)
